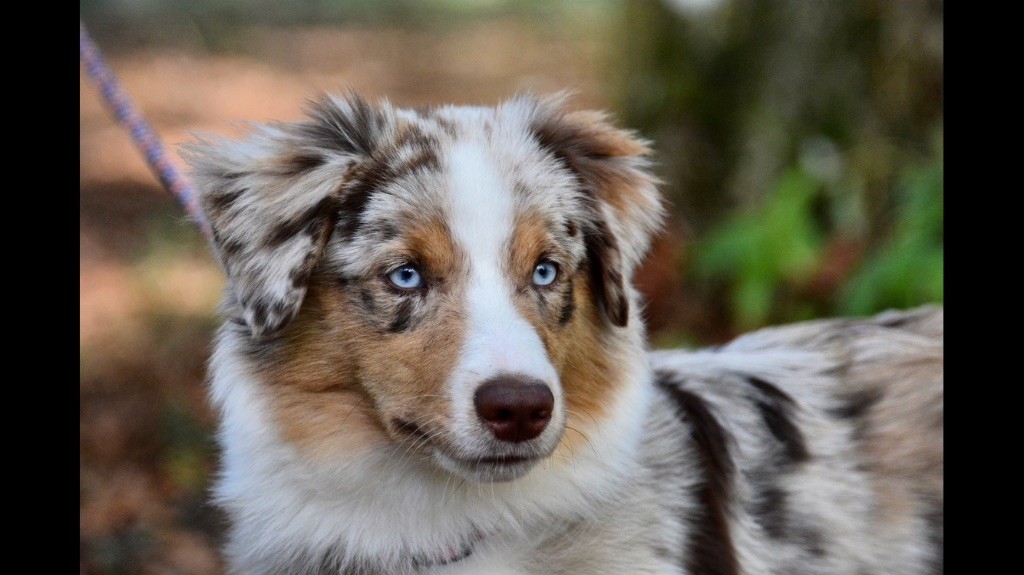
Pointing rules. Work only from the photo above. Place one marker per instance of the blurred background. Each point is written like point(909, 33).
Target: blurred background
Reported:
point(800, 142)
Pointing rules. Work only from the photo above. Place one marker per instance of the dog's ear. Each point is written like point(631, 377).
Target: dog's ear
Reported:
point(611, 165)
point(272, 199)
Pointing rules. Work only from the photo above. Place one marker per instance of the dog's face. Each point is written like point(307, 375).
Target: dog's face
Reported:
point(451, 282)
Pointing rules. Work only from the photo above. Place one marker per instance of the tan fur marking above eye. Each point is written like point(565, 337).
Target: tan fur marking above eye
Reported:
point(432, 242)
point(530, 241)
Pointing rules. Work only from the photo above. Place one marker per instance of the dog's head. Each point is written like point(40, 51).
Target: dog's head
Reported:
point(453, 280)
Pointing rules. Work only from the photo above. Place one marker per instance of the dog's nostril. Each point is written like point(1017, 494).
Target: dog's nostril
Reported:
point(514, 408)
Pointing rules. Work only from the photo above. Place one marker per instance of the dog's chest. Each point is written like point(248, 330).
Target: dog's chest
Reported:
point(578, 553)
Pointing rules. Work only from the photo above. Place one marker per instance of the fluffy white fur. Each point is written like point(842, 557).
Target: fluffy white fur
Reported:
point(770, 455)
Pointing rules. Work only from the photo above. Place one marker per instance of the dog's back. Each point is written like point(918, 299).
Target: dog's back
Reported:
point(820, 446)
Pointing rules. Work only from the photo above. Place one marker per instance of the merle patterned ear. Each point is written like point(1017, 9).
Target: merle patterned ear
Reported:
point(612, 167)
point(606, 270)
point(272, 199)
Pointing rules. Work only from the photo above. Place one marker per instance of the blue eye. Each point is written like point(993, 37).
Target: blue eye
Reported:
point(545, 273)
point(406, 277)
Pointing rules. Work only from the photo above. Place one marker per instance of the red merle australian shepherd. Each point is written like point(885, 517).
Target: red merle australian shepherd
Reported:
point(432, 361)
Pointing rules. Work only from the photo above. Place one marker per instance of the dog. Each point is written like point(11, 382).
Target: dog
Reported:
point(433, 361)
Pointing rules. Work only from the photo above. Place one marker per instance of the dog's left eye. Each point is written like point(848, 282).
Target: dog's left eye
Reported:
point(545, 273)
point(406, 277)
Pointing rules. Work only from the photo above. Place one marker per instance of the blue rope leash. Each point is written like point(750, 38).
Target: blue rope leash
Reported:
point(142, 133)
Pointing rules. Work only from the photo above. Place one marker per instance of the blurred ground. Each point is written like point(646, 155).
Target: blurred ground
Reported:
point(149, 286)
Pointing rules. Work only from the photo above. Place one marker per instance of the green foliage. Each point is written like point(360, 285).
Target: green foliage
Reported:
point(908, 269)
point(765, 259)
point(812, 118)
point(765, 249)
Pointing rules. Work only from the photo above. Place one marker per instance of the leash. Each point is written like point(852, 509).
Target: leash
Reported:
point(143, 136)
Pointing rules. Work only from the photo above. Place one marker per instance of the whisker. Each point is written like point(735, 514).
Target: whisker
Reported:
point(588, 414)
point(585, 438)
point(351, 411)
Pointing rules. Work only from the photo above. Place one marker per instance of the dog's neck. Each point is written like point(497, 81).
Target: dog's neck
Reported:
point(453, 554)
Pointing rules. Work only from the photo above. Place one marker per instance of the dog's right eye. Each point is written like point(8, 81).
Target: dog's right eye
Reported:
point(406, 277)
point(544, 273)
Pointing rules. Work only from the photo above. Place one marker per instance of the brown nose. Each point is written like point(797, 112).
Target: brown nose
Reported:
point(514, 408)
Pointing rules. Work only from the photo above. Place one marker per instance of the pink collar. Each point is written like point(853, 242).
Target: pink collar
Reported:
point(453, 553)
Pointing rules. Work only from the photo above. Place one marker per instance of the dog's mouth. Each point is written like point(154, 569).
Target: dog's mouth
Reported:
point(504, 460)
point(488, 469)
